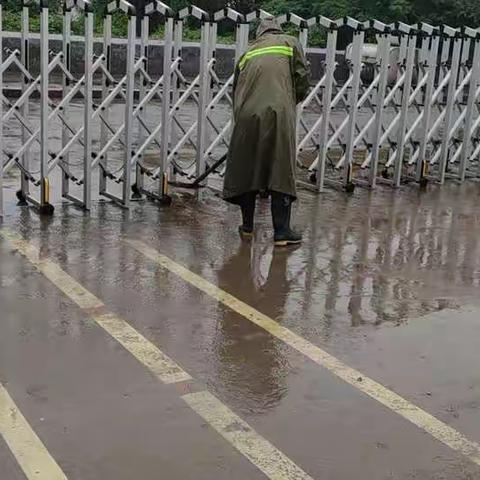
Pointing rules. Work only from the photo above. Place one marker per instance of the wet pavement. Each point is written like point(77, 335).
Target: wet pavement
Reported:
point(386, 282)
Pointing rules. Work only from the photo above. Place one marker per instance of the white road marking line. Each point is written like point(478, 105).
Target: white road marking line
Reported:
point(26, 447)
point(141, 348)
point(241, 436)
point(422, 419)
point(273, 463)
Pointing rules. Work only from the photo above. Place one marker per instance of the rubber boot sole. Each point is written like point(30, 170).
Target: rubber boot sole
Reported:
point(286, 243)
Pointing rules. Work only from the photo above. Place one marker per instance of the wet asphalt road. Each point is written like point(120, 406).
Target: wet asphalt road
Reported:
point(386, 282)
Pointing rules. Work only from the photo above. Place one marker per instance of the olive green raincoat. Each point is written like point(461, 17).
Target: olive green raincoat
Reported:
point(270, 80)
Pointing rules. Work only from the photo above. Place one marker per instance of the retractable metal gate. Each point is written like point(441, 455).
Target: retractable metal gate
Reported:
point(400, 104)
point(217, 111)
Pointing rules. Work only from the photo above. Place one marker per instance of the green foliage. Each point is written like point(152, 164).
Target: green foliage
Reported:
point(451, 12)
point(119, 25)
point(11, 21)
point(100, 6)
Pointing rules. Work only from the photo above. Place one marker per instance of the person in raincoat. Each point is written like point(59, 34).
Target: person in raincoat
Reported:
point(271, 79)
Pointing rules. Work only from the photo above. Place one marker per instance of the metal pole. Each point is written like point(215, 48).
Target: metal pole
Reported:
point(445, 54)
point(452, 88)
point(423, 59)
point(384, 56)
point(212, 40)
point(330, 62)
point(203, 97)
point(242, 41)
point(210, 84)
point(167, 82)
point(88, 110)
point(303, 40)
point(177, 53)
point(402, 124)
point(427, 109)
point(466, 46)
point(353, 101)
point(45, 206)
point(142, 115)
point(130, 92)
point(67, 26)
point(25, 58)
point(472, 98)
point(107, 52)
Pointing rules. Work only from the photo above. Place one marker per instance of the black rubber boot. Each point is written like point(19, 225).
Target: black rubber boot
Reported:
point(281, 213)
point(247, 204)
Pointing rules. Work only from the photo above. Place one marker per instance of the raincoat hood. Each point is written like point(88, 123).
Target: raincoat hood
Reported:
point(268, 25)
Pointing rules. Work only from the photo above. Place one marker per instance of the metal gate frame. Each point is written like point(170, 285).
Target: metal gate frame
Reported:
point(434, 103)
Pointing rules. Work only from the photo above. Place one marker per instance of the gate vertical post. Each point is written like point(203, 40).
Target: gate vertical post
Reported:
point(177, 53)
point(203, 95)
point(25, 59)
point(330, 62)
point(452, 88)
point(142, 91)
point(472, 98)
point(45, 206)
point(107, 52)
point(384, 56)
point(66, 48)
point(166, 104)
point(303, 40)
point(129, 105)
point(242, 40)
point(358, 38)
point(429, 91)
point(88, 109)
point(411, 46)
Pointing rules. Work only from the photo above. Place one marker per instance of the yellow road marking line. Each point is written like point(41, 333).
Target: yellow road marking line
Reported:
point(422, 419)
point(143, 350)
point(261, 453)
point(26, 447)
point(273, 463)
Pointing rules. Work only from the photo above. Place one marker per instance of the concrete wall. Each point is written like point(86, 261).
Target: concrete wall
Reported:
point(190, 64)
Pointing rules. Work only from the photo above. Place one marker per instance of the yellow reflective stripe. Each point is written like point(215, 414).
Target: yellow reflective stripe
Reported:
point(274, 50)
point(264, 51)
point(268, 49)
